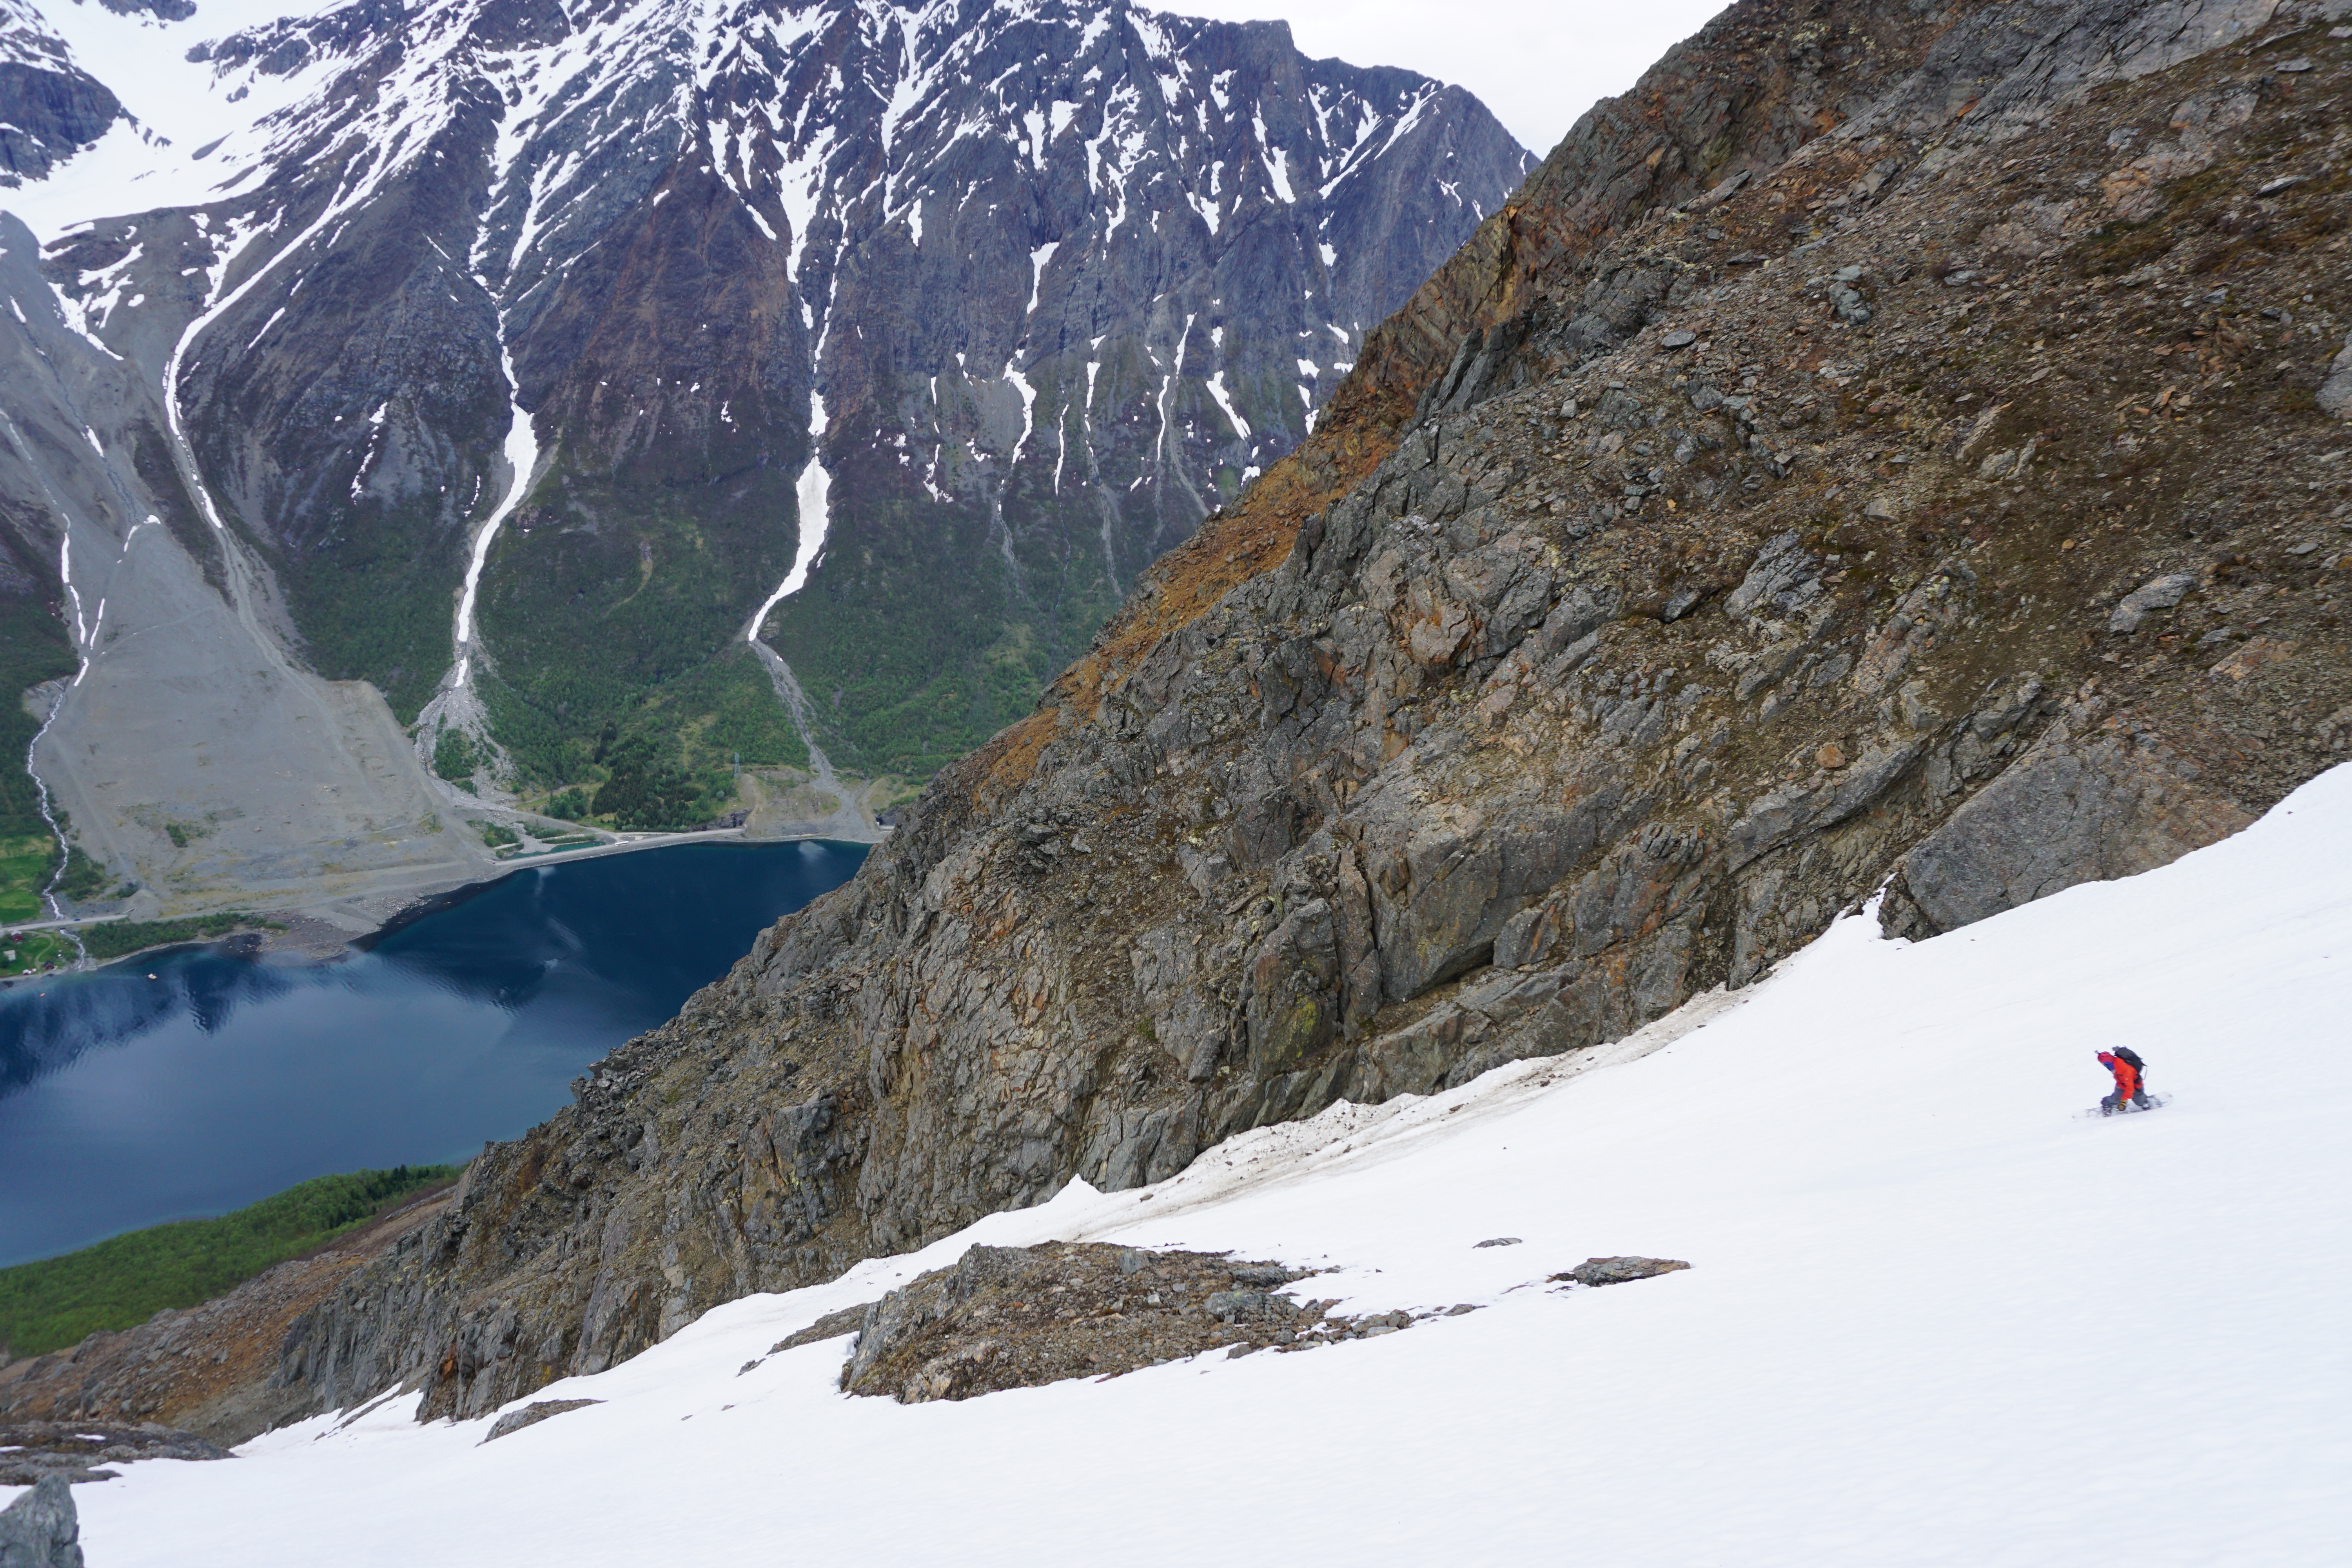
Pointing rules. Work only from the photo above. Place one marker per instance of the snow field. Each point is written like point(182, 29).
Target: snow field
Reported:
point(182, 106)
point(1934, 1317)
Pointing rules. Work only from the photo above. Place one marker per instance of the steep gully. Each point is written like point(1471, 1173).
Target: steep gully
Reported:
point(182, 709)
point(84, 634)
point(246, 582)
point(1743, 522)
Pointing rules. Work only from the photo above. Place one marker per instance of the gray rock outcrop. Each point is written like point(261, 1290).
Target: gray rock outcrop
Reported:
point(41, 1529)
point(75, 1452)
point(2071, 809)
point(1619, 1270)
point(2157, 594)
point(1006, 1316)
point(2335, 394)
point(54, 106)
point(532, 1414)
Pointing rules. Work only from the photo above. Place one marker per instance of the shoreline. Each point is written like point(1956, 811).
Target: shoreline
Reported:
point(324, 932)
point(321, 910)
point(449, 897)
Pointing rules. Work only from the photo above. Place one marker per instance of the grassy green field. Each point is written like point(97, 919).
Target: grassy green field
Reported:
point(25, 863)
point(51, 1304)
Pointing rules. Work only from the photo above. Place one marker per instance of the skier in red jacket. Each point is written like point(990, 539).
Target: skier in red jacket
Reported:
point(2130, 1089)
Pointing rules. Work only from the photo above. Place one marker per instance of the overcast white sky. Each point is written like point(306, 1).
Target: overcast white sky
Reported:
point(1537, 64)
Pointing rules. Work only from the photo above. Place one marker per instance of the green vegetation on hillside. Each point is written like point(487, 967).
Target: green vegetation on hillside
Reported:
point(33, 648)
point(113, 938)
point(666, 757)
point(615, 616)
point(920, 647)
point(373, 602)
point(613, 606)
point(84, 879)
point(26, 862)
point(646, 789)
point(372, 583)
point(455, 756)
point(723, 711)
point(54, 1303)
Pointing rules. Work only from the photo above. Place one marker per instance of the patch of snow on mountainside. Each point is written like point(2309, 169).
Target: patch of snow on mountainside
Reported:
point(172, 151)
point(1933, 1314)
point(271, 90)
point(811, 491)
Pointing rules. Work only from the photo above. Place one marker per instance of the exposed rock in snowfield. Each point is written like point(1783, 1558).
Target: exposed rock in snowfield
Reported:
point(1559, 678)
point(1619, 1270)
point(77, 1450)
point(532, 1414)
point(1937, 1314)
point(40, 1529)
point(1016, 1318)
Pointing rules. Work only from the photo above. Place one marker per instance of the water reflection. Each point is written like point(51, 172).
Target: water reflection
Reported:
point(195, 1080)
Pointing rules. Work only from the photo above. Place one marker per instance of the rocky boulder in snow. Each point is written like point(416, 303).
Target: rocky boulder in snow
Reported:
point(31, 1450)
point(1009, 1317)
point(532, 1414)
point(1015, 1318)
point(1618, 1270)
point(42, 1529)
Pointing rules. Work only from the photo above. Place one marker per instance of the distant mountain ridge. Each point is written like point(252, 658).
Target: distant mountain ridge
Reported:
point(997, 300)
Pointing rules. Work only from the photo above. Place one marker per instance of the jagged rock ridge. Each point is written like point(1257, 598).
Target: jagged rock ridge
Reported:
point(54, 107)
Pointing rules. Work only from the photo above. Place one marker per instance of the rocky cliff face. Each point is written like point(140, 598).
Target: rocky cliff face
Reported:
point(595, 324)
point(54, 107)
point(1888, 454)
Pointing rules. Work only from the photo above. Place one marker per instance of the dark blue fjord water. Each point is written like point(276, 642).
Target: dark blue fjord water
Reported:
point(126, 1102)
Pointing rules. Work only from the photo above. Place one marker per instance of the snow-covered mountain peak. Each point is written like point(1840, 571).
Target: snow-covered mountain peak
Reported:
point(1052, 278)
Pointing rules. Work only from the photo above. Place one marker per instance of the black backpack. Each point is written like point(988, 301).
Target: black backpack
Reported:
point(2125, 1053)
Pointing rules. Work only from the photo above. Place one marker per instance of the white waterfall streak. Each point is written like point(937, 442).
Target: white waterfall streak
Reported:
point(82, 646)
point(814, 486)
point(523, 457)
point(64, 577)
point(1028, 410)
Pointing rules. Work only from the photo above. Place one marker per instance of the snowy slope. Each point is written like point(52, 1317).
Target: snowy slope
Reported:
point(1935, 1316)
point(177, 109)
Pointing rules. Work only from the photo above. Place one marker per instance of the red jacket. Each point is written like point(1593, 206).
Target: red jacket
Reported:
point(2126, 1075)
